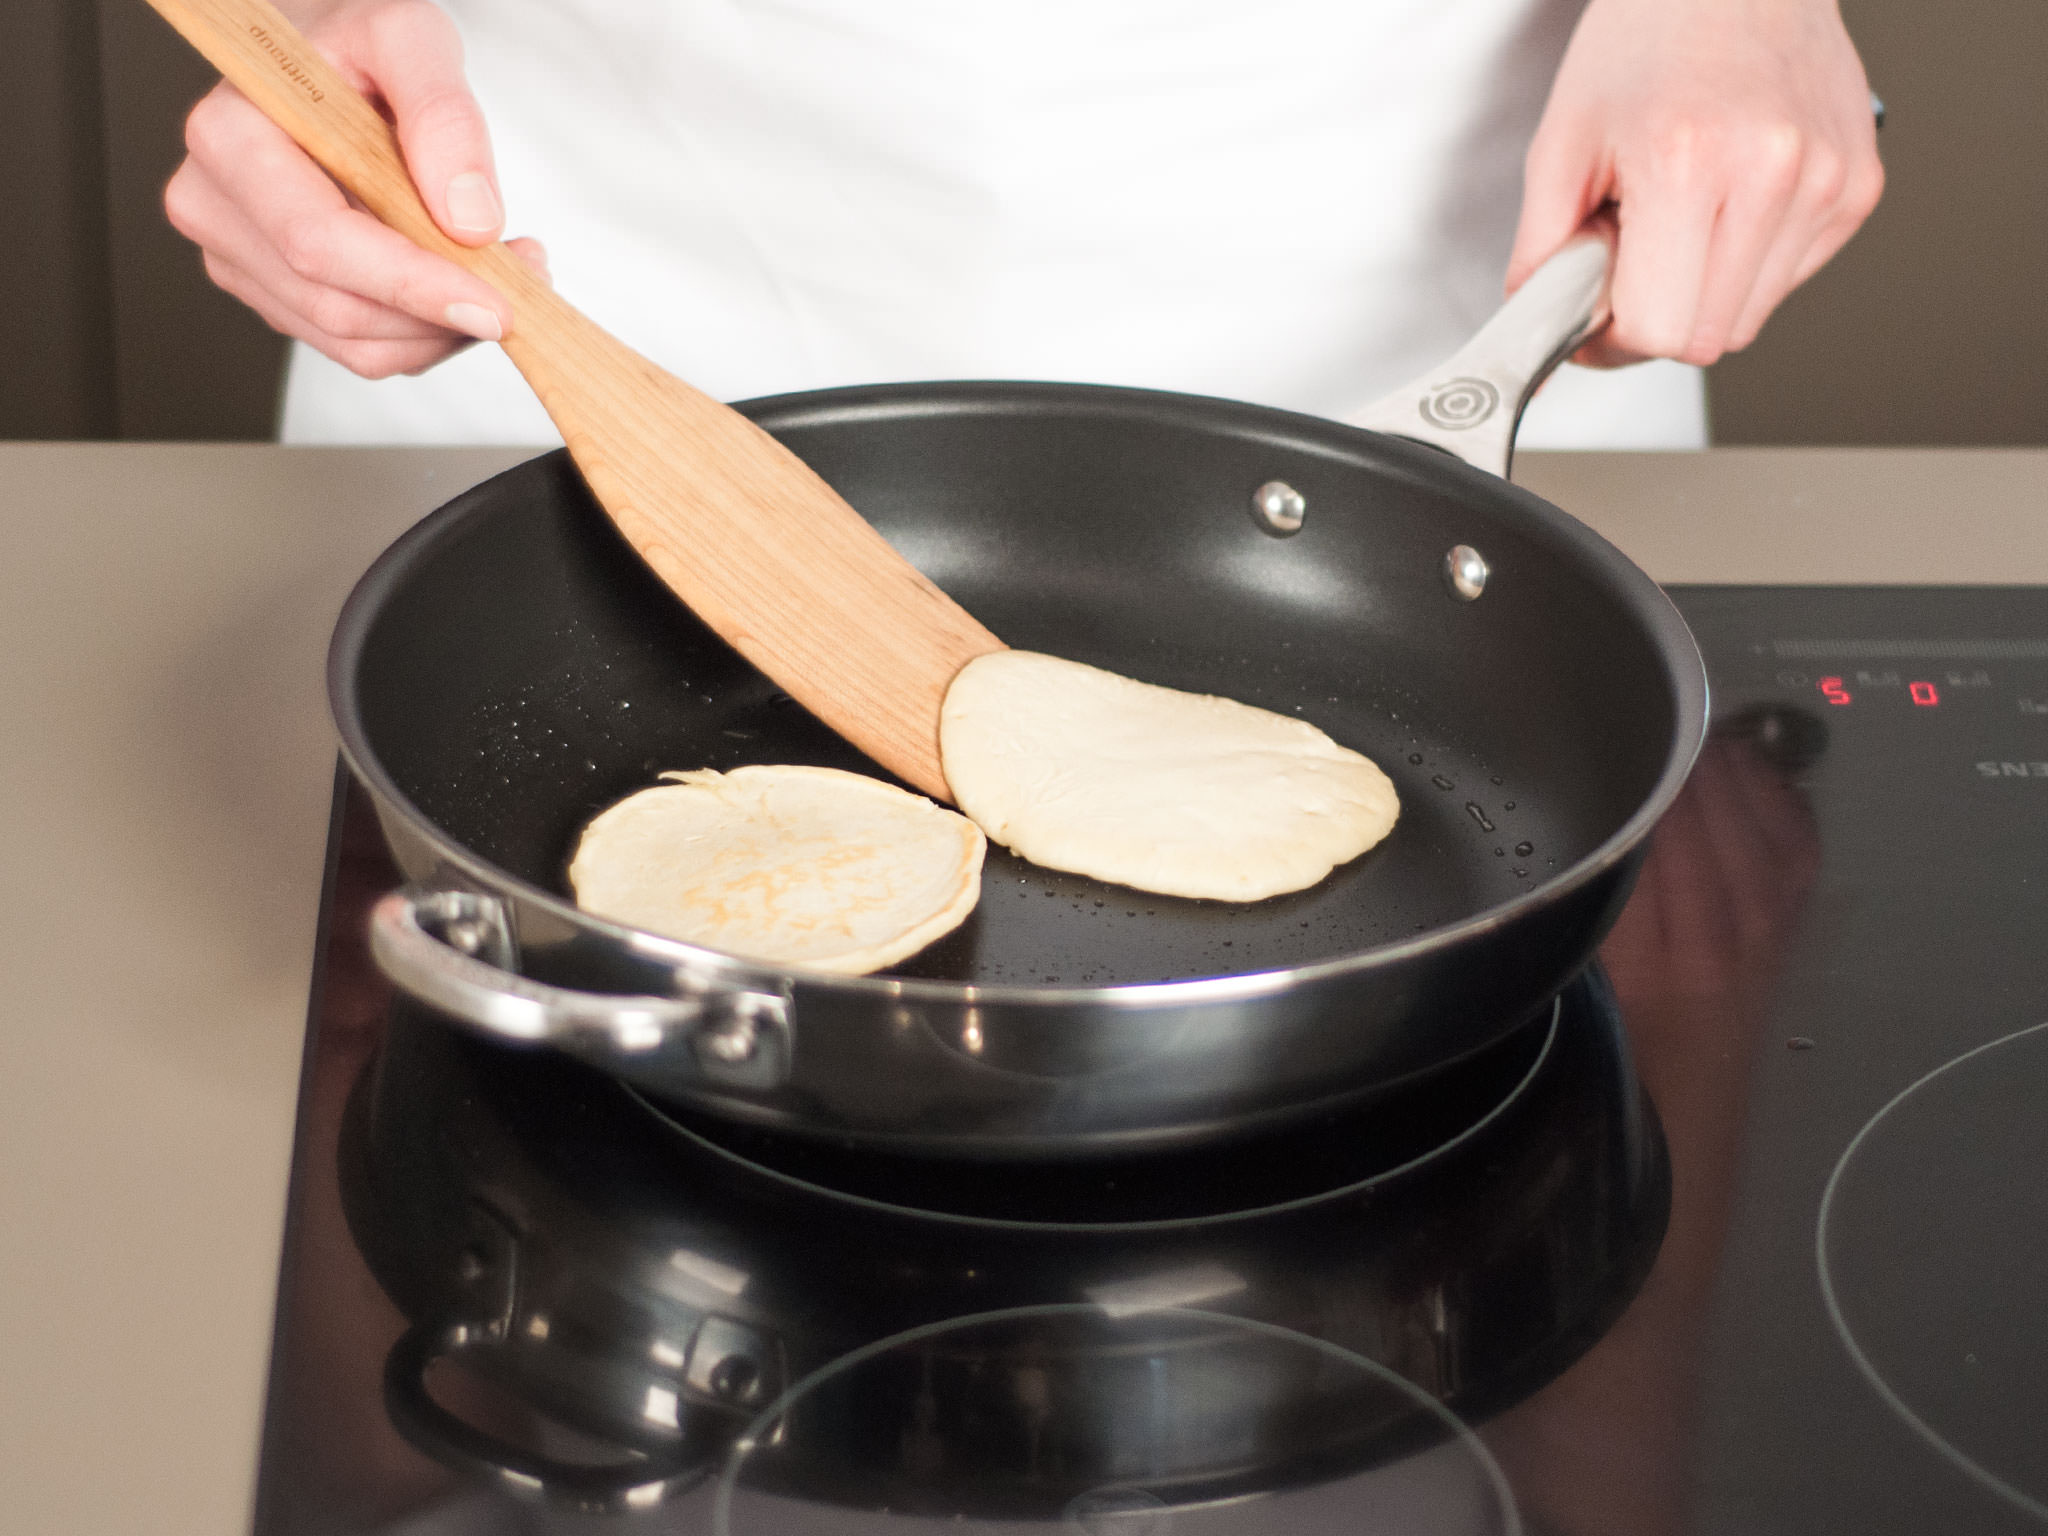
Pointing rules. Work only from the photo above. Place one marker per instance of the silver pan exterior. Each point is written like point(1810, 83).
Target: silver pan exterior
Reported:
point(484, 674)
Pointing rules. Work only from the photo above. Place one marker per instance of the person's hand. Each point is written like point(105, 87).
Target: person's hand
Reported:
point(280, 236)
point(1734, 139)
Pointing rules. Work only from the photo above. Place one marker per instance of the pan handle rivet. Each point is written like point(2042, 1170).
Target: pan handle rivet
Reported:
point(732, 1041)
point(1465, 571)
point(1279, 507)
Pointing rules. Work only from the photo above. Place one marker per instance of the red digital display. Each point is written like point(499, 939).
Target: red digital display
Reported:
point(1836, 691)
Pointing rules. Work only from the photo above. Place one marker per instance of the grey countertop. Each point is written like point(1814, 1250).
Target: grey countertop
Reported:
point(164, 790)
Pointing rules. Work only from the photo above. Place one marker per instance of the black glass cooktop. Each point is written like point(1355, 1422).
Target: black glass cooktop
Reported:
point(1807, 1291)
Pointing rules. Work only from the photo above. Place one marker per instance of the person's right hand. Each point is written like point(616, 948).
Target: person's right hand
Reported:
point(280, 236)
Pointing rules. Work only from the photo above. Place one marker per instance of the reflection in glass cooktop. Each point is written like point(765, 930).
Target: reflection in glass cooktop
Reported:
point(516, 1297)
point(1397, 1133)
point(652, 1291)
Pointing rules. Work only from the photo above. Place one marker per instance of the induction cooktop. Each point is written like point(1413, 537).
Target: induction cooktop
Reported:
point(1747, 1233)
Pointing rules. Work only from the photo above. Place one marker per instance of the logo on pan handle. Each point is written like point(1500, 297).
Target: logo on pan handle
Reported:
point(1460, 403)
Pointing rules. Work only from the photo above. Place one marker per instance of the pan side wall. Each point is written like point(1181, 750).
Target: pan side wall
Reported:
point(1074, 1077)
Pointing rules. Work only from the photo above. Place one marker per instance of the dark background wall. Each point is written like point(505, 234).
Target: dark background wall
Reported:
point(1931, 328)
point(111, 329)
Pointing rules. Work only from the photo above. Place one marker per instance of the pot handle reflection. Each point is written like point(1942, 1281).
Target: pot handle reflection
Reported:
point(451, 950)
point(594, 1488)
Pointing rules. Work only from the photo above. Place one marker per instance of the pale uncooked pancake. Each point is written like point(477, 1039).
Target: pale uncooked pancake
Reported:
point(802, 866)
point(1186, 794)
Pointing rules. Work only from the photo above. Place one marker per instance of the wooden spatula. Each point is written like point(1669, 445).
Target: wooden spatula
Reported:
point(763, 550)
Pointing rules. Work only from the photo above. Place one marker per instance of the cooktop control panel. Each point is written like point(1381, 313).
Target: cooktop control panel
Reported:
point(1961, 692)
point(1877, 1358)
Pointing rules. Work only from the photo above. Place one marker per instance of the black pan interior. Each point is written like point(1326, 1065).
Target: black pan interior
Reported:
point(523, 670)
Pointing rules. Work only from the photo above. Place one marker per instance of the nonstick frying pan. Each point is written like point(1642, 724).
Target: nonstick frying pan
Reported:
point(508, 668)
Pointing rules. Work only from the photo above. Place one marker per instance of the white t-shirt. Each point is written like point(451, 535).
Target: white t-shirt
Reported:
point(1302, 203)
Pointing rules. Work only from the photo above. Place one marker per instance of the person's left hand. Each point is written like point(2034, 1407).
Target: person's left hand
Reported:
point(1734, 139)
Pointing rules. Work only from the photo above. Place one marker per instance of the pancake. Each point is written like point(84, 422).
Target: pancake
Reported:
point(1184, 794)
point(798, 866)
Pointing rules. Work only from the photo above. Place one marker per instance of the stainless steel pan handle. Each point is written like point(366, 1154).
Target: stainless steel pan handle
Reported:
point(1471, 404)
point(452, 951)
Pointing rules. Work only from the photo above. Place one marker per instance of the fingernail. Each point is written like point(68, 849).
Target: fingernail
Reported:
point(473, 320)
point(472, 205)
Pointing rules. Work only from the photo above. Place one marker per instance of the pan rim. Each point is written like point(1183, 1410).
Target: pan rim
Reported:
point(1677, 653)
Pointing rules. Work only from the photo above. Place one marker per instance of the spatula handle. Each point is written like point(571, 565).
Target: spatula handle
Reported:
point(271, 62)
point(743, 531)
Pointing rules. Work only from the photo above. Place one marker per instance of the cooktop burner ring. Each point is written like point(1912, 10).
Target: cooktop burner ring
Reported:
point(1209, 1220)
point(1113, 1514)
point(1832, 1291)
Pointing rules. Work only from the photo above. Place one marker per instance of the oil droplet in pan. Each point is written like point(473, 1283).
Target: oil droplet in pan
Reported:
point(1472, 809)
point(1523, 850)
